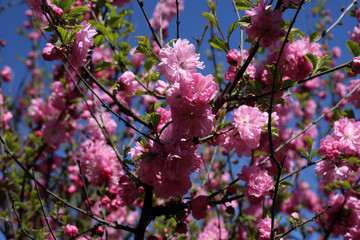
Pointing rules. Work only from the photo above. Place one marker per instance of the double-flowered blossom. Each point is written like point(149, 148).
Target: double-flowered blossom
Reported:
point(265, 228)
point(214, 230)
point(249, 123)
point(355, 97)
point(104, 119)
point(234, 59)
point(179, 61)
point(293, 61)
point(83, 42)
point(259, 183)
point(265, 24)
point(6, 74)
point(167, 167)
point(127, 83)
point(99, 164)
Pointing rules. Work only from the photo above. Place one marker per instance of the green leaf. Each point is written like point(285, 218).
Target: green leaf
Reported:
point(243, 5)
point(62, 32)
point(353, 47)
point(312, 58)
point(149, 63)
point(344, 183)
point(210, 17)
point(353, 160)
point(111, 8)
point(314, 153)
point(288, 84)
point(232, 28)
point(304, 152)
point(145, 47)
point(77, 10)
point(349, 113)
point(245, 21)
point(99, 39)
point(309, 143)
point(313, 36)
point(65, 5)
point(103, 65)
point(286, 184)
point(218, 44)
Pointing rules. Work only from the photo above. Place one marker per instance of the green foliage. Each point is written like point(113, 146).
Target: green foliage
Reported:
point(243, 4)
point(219, 44)
point(145, 47)
point(353, 47)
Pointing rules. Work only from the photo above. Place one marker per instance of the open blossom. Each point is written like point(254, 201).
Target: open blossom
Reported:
point(199, 89)
point(265, 24)
point(83, 42)
point(347, 132)
point(179, 61)
point(6, 74)
point(265, 228)
point(57, 96)
point(71, 230)
point(355, 97)
point(126, 191)
point(54, 132)
point(99, 164)
point(167, 167)
point(234, 59)
point(355, 34)
point(330, 148)
point(105, 120)
point(259, 182)
point(293, 61)
point(214, 230)
point(199, 206)
point(249, 123)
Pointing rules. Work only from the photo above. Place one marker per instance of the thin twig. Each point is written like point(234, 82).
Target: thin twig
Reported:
point(84, 185)
point(223, 189)
point(177, 20)
point(226, 200)
point(100, 220)
point(302, 168)
point(199, 41)
point(241, 33)
point(42, 206)
point(141, 4)
point(18, 219)
point(306, 222)
point(314, 122)
point(336, 22)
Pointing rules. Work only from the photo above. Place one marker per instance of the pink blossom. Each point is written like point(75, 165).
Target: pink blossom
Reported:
point(347, 132)
point(120, 3)
point(265, 228)
point(165, 10)
point(286, 2)
point(293, 63)
point(249, 123)
point(49, 53)
point(99, 164)
point(167, 167)
point(57, 96)
point(336, 52)
point(127, 83)
point(6, 117)
point(355, 97)
point(199, 89)
point(127, 191)
point(330, 148)
point(6, 74)
point(136, 58)
point(310, 109)
point(54, 132)
point(71, 230)
point(214, 230)
point(259, 182)
point(199, 207)
point(179, 61)
point(234, 59)
point(339, 76)
point(83, 42)
point(105, 120)
point(355, 34)
point(355, 65)
point(265, 24)
point(36, 110)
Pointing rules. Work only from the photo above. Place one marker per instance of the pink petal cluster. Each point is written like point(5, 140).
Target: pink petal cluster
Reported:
point(234, 59)
point(265, 228)
point(347, 132)
point(355, 34)
point(49, 53)
point(179, 61)
point(6, 74)
point(214, 230)
point(99, 164)
point(71, 230)
point(126, 191)
point(293, 61)
point(355, 97)
point(199, 207)
point(57, 96)
point(265, 24)
point(105, 120)
point(166, 10)
point(259, 183)
point(167, 167)
point(286, 2)
point(127, 83)
point(120, 3)
point(54, 132)
point(248, 123)
point(83, 42)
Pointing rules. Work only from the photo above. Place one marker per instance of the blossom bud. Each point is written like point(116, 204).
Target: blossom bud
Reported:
point(100, 231)
point(58, 12)
point(295, 215)
point(231, 190)
point(181, 228)
point(49, 53)
point(355, 65)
